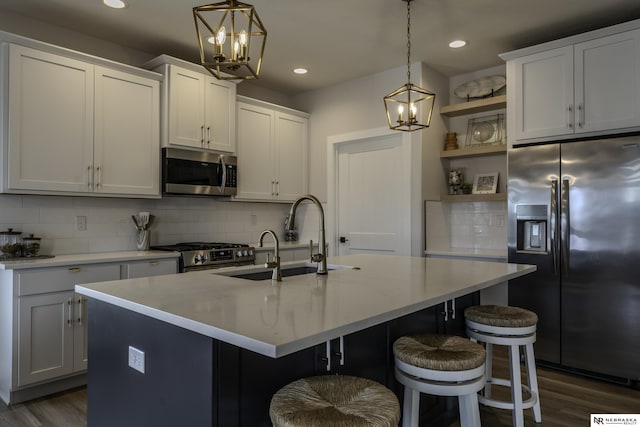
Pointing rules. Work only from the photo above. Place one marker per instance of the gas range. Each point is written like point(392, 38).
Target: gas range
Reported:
point(202, 256)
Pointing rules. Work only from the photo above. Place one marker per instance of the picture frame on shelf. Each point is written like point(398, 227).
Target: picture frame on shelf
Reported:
point(485, 183)
point(487, 130)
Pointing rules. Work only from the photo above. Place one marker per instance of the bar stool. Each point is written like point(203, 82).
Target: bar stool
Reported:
point(512, 327)
point(334, 400)
point(441, 365)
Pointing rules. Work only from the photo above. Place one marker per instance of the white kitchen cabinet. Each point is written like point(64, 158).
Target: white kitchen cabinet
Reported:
point(150, 268)
point(199, 109)
point(79, 128)
point(43, 322)
point(51, 326)
point(272, 152)
point(587, 87)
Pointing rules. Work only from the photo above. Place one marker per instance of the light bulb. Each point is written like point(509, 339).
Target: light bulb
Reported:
point(243, 38)
point(414, 110)
point(400, 111)
point(221, 36)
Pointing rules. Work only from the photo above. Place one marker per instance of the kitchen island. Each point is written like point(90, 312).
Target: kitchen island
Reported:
point(217, 347)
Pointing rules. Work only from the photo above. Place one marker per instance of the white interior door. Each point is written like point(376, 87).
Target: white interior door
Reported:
point(373, 196)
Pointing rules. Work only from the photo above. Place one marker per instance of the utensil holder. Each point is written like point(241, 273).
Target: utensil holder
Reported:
point(142, 240)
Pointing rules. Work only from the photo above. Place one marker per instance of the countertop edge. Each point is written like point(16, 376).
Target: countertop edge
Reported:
point(88, 258)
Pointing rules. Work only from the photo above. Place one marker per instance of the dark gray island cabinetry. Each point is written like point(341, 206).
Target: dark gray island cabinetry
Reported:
point(216, 348)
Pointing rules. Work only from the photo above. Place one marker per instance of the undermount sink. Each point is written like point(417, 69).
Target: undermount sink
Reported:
point(260, 273)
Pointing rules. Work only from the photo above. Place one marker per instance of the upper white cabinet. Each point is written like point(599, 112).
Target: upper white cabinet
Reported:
point(199, 109)
point(591, 86)
point(78, 128)
point(272, 151)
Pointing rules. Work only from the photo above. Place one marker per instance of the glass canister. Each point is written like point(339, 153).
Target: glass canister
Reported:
point(31, 246)
point(10, 243)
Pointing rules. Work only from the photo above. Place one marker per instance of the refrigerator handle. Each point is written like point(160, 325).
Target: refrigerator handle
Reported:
point(564, 224)
point(553, 226)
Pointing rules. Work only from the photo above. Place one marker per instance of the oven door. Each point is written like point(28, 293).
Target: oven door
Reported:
point(198, 173)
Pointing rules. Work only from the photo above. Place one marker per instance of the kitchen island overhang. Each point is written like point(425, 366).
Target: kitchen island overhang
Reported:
point(309, 309)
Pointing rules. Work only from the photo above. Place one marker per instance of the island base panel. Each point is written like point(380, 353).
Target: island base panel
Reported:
point(176, 388)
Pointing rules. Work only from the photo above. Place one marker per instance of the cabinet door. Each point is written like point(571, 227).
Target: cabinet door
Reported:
point(220, 110)
point(151, 268)
point(127, 134)
point(543, 94)
point(255, 161)
point(186, 107)
point(50, 129)
point(45, 338)
point(291, 156)
point(607, 85)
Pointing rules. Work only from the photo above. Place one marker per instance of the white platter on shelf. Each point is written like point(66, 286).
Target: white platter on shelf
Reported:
point(481, 87)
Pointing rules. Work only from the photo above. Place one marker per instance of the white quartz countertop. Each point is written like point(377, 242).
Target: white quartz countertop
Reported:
point(490, 254)
point(302, 311)
point(88, 258)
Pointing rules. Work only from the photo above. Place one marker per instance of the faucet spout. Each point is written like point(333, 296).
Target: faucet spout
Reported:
point(321, 256)
point(275, 264)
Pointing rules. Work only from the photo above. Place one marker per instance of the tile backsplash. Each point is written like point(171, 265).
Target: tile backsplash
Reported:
point(109, 226)
point(473, 225)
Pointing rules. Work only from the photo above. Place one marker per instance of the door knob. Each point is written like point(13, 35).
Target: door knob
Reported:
point(343, 239)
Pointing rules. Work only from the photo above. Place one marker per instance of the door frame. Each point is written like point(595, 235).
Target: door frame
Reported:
point(412, 152)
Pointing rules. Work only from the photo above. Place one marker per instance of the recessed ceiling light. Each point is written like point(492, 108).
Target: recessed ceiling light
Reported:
point(300, 70)
point(457, 43)
point(116, 4)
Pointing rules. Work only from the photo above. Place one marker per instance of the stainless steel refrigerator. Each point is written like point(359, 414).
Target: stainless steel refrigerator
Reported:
point(574, 211)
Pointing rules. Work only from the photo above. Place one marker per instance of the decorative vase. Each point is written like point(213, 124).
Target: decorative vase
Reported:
point(451, 141)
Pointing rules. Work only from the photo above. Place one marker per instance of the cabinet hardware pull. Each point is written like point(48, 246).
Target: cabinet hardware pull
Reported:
point(202, 135)
point(273, 192)
point(341, 353)
point(154, 263)
point(69, 305)
point(208, 135)
point(328, 352)
point(277, 188)
point(570, 116)
point(445, 313)
point(580, 115)
point(80, 301)
point(89, 176)
point(99, 176)
point(74, 269)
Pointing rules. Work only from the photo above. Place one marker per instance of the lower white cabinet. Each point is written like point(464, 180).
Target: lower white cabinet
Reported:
point(43, 322)
point(149, 268)
point(51, 325)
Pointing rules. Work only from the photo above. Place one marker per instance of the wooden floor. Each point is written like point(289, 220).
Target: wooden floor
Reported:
point(567, 401)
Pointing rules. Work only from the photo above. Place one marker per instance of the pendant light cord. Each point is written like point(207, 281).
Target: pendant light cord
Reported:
point(408, 41)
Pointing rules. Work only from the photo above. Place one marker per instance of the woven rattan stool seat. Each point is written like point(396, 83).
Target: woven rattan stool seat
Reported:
point(439, 352)
point(501, 316)
point(334, 400)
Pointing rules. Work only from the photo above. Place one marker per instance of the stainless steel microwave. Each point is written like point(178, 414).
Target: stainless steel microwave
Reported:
point(198, 173)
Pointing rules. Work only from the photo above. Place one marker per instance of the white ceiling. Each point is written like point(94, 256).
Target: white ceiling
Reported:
point(343, 39)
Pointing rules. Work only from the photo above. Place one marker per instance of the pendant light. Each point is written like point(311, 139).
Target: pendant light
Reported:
point(409, 107)
point(231, 38)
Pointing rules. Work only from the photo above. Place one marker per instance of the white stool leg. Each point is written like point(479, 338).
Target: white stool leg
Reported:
point(488, 373)
point(469, 410)
point(532, 377)
point(516, 386)
point(410, 407)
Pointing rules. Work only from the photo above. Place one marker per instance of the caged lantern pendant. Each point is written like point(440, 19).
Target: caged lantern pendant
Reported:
point(409, 107)
point(231, 39)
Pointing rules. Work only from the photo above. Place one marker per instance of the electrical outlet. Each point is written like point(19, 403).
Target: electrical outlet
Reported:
point(136, 359)
point(81, 222)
